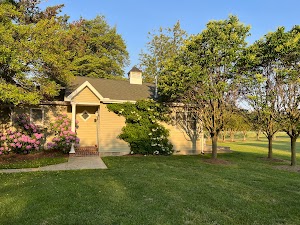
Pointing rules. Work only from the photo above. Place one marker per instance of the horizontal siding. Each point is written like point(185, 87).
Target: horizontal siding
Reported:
point(180, 140)
point(86, 95)
point(110, 127)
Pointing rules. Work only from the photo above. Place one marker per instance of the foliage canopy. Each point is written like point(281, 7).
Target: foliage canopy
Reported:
point(204, 73)
point(40, 51)
point(163, 45)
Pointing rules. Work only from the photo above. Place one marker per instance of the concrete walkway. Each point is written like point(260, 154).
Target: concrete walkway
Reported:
point(74, 163)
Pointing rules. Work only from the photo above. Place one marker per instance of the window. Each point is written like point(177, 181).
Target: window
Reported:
point(187, 120)
point(37, 116)
point(85, 115)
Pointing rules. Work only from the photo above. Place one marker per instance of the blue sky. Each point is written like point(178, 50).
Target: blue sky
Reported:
point(135, 18)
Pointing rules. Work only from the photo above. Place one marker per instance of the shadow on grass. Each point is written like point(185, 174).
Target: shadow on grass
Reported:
point(155, 190)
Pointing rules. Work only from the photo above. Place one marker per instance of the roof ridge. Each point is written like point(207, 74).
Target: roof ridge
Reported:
point(101, 78)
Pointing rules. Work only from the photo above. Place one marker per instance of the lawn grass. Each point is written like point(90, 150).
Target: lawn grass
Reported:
point(160, 190)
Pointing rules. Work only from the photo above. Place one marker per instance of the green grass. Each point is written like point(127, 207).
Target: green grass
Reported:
point(281, 145)
point(160, 190)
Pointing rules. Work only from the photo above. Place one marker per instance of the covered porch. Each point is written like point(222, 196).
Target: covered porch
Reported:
point(86, 123)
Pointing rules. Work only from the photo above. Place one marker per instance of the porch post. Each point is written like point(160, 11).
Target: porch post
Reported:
point(202, 138)
point(73, 125)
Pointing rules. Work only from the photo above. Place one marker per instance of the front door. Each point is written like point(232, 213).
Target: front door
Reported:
point(87, 125)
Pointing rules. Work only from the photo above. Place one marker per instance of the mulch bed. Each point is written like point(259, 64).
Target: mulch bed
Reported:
point(13, 158)
point(272, 160)
point(133, 155)
point(289, 168)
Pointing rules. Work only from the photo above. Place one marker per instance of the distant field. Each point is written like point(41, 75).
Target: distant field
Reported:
point(281, 145)
point(251, 135)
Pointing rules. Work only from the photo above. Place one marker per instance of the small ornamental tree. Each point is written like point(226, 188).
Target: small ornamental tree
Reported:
point(289, 85)
point(64, 137)
point(142, 131)
point(203, 75)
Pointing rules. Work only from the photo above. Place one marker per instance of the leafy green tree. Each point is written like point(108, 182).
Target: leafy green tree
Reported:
point(34, 60)
point(163, 45)
point(254, 124)
point(32, 13)
point(40, 51)
point(203, 75)
point(288, 47)
point(100, 50)
point(234, 123)
point(260, 89)
point(273, 85)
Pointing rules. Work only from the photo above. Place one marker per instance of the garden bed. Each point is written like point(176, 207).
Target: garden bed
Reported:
point(33, 160)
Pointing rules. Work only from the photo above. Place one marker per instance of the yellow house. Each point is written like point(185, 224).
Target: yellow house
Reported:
point(88, 99)
point(98, 129)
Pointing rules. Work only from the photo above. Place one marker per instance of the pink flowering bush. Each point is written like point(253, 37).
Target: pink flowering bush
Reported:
point(22, 121)
point(3, 147)
point(18, 142)
point(25, 139)
point(63, 136)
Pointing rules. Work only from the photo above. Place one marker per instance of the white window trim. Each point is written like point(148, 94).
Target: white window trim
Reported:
point(43, 116)
point(87, 117)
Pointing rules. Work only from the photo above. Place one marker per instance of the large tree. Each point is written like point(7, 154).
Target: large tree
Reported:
point(100, 50)
point(163, 45)
point(203, 75)
point(34, 60)
point(40, 51)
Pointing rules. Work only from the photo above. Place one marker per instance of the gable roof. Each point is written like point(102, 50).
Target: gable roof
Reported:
point(114, 90)
point(134, 69)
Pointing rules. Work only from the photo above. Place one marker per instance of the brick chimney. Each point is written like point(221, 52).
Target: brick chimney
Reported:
point(135, 76)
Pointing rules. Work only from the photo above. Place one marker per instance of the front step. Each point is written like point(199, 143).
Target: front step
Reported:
point(87, 151)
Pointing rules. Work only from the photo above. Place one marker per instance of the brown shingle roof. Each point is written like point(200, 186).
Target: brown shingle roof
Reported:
point(116, 89)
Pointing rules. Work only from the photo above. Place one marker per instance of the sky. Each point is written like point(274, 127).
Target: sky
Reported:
point(135, 18)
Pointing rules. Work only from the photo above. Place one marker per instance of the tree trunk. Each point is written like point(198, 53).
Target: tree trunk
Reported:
point(231, 136)
point(293, 151)
point(223, 136)
point(214, 141)
point(257, 135)
point(270, 147)
point(194, 145)
point(244, 133)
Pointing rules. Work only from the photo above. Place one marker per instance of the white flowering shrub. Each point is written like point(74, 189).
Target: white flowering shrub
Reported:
point(142, 131)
